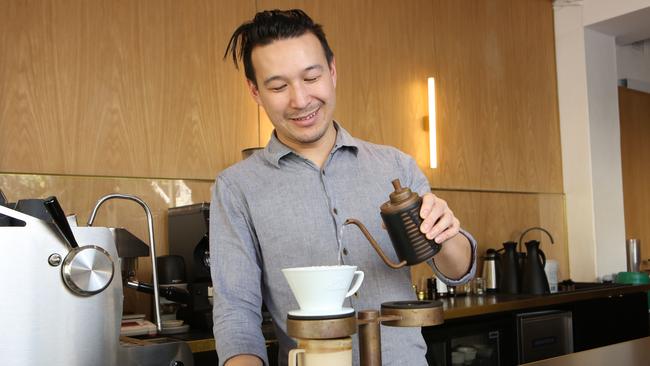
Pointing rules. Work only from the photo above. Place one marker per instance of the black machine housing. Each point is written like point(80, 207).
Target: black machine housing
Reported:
point(188, 229)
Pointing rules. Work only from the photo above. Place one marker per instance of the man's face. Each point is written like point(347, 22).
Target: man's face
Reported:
point(296, 87)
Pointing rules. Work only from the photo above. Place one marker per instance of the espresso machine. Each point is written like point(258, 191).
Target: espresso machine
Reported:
point(325, 340)
point(64, 305)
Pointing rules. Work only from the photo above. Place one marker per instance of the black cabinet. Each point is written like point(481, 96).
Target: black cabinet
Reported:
point(596, 322)
point(612, 319)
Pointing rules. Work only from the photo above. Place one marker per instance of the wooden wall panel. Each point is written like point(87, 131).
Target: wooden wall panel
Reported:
point(634, 110)
point(498, 126)
point(122, 88)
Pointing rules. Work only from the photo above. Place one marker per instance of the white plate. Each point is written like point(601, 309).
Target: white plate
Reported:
point(172, 323)
point(320, 313)
point(175, 330)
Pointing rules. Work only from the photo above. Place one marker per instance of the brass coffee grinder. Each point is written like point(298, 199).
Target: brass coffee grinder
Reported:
point(326, 340)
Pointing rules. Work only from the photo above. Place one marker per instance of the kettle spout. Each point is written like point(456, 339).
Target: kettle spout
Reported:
point(374, 244)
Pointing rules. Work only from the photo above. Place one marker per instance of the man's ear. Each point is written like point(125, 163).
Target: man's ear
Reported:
point(255, 93)
point(333, 71)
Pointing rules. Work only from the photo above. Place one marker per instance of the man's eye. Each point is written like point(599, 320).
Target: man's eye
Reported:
point(311, 80)
point(278, 88)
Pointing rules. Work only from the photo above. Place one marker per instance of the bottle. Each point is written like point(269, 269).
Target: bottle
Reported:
point(441, 289)
point(431, 288)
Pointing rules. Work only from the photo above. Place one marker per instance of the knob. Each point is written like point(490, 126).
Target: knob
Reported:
point(87, 270)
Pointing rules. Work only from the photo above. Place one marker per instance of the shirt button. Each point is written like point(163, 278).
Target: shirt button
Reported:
point(345, 251)
point(335, 211)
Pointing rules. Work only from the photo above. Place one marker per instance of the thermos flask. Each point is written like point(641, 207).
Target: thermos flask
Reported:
point(633, 254)
point(490, 270)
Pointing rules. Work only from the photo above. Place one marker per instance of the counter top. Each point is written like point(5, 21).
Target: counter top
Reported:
point(630, 353)
point(473, 305)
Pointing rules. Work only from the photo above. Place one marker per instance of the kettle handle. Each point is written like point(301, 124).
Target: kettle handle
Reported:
point(374, 244)
point(541, 253)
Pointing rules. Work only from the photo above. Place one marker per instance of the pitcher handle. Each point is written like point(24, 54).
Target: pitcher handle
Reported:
point(293, 356)
point(541, 253)
point(356, 283)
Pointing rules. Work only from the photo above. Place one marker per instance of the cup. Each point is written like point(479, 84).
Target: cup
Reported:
point(321, 290)
point(479, 286)
point(457, 358)
point(469, 354)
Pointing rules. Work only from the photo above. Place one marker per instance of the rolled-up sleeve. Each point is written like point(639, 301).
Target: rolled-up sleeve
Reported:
point(236, 276)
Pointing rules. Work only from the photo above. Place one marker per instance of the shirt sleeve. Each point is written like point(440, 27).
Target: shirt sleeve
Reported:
point(420, 184)
point(236, 276)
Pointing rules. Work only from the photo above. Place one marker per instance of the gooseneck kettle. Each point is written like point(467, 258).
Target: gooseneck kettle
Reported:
point(401, 216)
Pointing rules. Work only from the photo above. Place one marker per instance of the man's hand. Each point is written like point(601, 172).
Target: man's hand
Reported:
point(439, 221)
point(440, 224)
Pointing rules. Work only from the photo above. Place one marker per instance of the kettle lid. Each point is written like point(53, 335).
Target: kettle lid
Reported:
point(401, 197)
point(491, 254)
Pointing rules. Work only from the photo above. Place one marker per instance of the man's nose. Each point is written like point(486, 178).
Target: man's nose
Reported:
point(299, 97)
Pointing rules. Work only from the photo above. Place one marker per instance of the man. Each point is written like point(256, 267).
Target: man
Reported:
point(285, 205)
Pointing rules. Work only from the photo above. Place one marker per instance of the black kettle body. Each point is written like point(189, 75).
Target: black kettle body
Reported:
point(533, 277)
point(509, 273)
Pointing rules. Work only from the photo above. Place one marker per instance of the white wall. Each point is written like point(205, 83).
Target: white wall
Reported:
point(595, 11)
point(576, 149)
point(609, 215)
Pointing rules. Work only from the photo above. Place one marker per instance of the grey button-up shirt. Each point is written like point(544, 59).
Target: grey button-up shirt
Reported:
point(277, 209)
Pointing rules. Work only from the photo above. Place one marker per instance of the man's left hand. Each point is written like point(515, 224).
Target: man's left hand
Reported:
point(439, 221)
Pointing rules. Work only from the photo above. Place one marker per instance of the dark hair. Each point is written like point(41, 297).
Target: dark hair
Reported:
point(268, 26)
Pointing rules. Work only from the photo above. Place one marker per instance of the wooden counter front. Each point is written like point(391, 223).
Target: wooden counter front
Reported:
point(473, 305)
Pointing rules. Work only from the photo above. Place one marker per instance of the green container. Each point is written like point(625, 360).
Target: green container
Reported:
point(634, 278)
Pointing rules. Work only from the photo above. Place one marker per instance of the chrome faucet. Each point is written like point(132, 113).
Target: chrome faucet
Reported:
point(152, 244)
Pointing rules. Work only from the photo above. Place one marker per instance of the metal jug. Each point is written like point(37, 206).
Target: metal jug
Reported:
point(401, 215)
point(491, 272)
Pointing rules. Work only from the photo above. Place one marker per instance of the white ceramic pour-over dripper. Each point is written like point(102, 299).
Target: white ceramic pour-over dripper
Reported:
point(321, 290)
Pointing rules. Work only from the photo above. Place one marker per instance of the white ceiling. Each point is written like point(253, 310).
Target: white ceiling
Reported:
point(629, 28)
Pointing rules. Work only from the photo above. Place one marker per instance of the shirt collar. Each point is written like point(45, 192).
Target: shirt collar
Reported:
point(275, 150)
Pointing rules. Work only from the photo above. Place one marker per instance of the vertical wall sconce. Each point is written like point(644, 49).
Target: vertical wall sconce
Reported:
point(433, 146)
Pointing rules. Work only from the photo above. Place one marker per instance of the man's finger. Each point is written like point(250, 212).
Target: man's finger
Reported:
point(428, 201)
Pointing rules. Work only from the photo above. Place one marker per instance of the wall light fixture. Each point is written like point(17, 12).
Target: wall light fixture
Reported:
point(433, 146)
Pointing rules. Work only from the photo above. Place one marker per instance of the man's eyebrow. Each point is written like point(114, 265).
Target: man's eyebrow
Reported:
point(278, 77)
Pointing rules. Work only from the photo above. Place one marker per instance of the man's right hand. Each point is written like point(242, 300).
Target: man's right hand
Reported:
point(244, 360)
